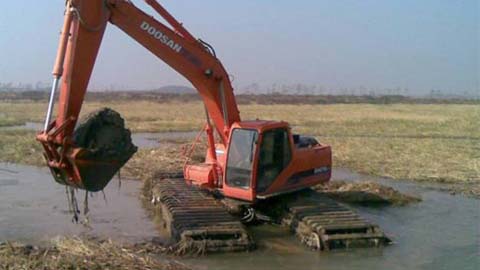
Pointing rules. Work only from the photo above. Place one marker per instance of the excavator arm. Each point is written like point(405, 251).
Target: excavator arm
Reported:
point(84, 26)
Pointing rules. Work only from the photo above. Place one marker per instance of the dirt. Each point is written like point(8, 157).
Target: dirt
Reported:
point(103, 132)
point(78, 253)
point(366, 193)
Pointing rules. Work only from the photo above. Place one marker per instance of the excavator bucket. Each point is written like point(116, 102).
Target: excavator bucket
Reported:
point(102, 145)
point(90, 174)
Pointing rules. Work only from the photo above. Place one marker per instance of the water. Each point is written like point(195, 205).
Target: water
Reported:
point(143, 140)
point(153, 140)
point(26, 126)
point(33, 209)
point(441, 232)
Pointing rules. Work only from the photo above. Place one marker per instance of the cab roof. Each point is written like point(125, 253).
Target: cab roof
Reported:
point(261, 125)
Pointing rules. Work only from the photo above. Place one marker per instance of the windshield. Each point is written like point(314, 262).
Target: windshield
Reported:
point(240, 157)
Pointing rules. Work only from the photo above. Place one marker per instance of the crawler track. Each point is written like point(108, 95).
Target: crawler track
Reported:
point(323, 224)
point(197, 221)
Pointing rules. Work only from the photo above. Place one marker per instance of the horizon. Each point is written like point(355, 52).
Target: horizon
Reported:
point(381, 47)
point(304, 90)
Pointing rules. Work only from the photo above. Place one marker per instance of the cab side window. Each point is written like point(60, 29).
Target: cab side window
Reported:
point(275, 155)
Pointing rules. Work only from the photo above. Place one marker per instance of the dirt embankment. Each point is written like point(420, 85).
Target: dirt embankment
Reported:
point(366, 193)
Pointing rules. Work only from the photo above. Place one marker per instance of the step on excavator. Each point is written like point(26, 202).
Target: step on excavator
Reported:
point(250, 167)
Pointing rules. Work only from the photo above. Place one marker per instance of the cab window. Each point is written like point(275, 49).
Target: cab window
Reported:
point(241, 155)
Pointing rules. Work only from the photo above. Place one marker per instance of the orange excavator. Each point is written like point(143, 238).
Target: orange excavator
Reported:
point(251, 162)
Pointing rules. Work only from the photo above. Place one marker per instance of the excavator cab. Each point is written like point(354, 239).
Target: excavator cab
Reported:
point(274, 155)
point(262, 160)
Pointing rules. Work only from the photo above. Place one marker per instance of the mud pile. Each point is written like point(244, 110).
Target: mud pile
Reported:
point(103, 133)
point(366, 193)
point(76, 253)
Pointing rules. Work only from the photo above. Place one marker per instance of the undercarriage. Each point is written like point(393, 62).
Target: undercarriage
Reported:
point(200, 221)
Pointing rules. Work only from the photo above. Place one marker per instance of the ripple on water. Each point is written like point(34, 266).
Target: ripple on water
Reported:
point(34, 208)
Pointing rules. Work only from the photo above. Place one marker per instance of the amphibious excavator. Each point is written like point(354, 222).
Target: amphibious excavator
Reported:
point(254, 166)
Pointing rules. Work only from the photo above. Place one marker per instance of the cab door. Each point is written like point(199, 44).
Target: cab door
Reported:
point(241, 156)
point(275, 154)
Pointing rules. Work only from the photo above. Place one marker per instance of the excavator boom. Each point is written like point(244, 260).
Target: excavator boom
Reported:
point(84, 26)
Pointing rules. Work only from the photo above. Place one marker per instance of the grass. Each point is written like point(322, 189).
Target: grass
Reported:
point(439, 143)
point(19, 112)
point(418, 142)
point(141, 116)
point(367, 193)
point(19, 146)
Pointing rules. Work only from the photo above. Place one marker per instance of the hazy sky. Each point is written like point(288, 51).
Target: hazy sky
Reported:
point(420, 45)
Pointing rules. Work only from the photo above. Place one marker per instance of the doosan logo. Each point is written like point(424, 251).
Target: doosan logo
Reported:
point(160, 36)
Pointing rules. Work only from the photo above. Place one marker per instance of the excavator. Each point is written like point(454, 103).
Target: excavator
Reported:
point(252, 165)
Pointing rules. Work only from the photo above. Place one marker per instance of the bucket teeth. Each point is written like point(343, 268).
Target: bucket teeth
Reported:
point(323, 224)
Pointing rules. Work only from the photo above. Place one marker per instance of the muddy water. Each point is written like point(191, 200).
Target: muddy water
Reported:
point(26, 126)
point(142, 140)
point(33, 208)
point(441, 232)
point(152, 140)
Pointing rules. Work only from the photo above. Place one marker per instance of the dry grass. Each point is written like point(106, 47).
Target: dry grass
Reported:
point(77, 253)
point(438, 143)
point(438, 160)
point(166, 159)
point(366, 193)
point(17, 113)
point(419, 142)
point(19, 146)
point(141, 116)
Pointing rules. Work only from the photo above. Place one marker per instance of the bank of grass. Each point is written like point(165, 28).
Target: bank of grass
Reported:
point(19, 112)
point(141, 116)
point(367, 193)
point(8, 122)
point(439, 143)
point(19, 146)
point(78, 253)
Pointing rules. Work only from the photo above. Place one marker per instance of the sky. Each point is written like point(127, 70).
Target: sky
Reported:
point(370, 44)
